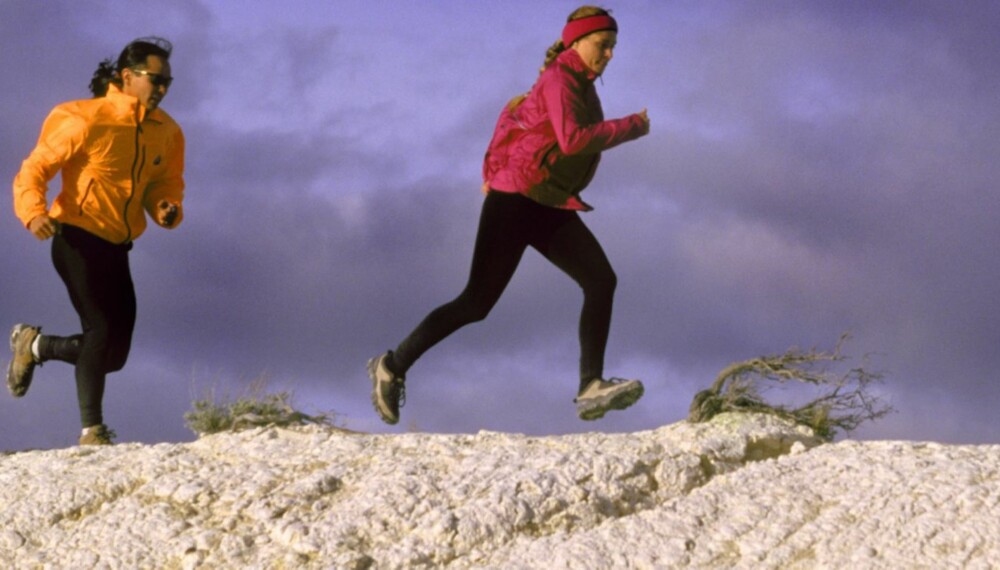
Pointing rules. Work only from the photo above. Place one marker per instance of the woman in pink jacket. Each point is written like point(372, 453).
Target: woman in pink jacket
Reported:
point(544, 151)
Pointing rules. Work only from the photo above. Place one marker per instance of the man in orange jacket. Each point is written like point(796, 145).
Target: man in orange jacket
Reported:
point(121, 156)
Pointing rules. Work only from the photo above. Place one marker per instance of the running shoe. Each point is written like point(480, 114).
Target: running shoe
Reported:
point(600, 396)
point(23, 362)
point(388, 390)
point(97, 435)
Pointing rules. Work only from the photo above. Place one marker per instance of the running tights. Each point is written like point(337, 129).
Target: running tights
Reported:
point(99, 282)
point(509, 223)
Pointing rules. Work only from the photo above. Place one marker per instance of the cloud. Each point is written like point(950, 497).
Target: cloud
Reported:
point(812, 169)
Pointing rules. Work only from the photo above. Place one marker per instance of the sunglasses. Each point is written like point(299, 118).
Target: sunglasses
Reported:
point(157, 79)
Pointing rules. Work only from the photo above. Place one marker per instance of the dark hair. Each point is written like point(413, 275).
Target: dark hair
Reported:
point(582, 12)
point(134, 55)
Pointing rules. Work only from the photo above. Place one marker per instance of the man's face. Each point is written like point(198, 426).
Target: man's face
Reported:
point(149, 82)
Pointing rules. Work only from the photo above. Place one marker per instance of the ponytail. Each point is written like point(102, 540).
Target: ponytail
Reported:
point(103, 76)
point(552, 53)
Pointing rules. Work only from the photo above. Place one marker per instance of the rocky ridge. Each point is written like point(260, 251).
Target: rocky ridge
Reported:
point(741, 491)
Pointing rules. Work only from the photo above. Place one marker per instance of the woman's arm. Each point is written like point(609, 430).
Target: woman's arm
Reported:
point(569, 115)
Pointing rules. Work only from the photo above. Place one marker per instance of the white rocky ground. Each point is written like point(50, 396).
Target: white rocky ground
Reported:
point(739, 492)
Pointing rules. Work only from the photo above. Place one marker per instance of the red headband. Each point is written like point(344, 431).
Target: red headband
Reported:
point(576, 29)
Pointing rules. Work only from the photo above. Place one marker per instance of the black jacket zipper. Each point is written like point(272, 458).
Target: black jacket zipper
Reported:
point(137, 163)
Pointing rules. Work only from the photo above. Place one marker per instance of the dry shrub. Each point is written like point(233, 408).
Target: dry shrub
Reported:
point(845, 403)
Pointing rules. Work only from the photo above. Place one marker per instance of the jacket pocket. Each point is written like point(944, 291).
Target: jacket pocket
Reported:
point(88, 188)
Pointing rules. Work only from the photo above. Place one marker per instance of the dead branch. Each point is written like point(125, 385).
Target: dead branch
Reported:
point(846, 402)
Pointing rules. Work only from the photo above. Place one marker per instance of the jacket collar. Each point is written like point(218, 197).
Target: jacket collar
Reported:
point(572, 60)
point(129, 105)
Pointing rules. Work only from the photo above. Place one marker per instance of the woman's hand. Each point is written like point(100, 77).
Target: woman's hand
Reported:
point(645, 121)
point(43, 227)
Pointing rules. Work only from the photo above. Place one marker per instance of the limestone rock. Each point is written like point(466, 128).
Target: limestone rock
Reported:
point(738, 491)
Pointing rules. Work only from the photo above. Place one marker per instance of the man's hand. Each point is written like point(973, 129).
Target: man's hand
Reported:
point(166, 213)
point(43, 227)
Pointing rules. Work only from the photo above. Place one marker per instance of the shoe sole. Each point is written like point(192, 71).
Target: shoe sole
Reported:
point(373, 374)
point(619, 401)
point(11, 387)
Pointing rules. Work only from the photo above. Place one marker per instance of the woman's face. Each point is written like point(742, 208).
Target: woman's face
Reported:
point(596, 49)
point(147, 83)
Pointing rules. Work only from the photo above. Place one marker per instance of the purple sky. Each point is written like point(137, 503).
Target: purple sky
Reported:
point(813, 168)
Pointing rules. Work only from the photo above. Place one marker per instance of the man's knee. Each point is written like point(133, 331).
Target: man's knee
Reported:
point(114, 344)
point(117, 354)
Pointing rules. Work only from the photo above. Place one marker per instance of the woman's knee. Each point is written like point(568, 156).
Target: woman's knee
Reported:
point(601, 283)
point(477, 312)
point(473, 308)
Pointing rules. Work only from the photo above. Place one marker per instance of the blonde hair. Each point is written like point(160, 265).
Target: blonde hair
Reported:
point(557, 48)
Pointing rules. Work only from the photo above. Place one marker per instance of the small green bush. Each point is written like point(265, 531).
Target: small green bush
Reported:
point(256, 408)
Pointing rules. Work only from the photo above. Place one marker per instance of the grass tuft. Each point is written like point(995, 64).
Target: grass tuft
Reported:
point(255, 408)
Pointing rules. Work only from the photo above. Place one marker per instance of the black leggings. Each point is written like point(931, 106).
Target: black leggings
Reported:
point(509, 223)
point(99, 282)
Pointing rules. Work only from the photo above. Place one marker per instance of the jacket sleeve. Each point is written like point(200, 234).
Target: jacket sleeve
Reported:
point(169, 186)
point(63, 135)
point(567, 110)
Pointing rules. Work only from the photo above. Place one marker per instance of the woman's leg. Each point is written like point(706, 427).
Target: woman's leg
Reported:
point(500, 243)
point(99, 283)
point(573, 248)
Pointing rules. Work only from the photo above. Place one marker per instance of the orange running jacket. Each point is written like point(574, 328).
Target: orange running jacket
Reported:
point(116, 159)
